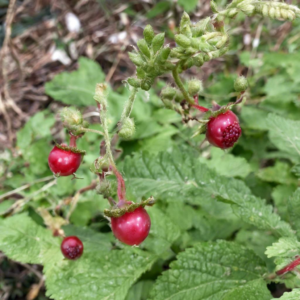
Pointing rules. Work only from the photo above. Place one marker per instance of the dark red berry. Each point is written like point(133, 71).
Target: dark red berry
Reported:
point(223, 130)
point(71, 247)
point(63, 162)
point(133, 227)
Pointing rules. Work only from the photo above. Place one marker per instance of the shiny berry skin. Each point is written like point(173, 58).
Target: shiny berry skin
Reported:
point(63, 162)
point(71, 247)
point(223, 130)
point(133, 227)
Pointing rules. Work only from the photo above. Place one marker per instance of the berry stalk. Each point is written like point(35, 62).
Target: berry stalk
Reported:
point(289, 267)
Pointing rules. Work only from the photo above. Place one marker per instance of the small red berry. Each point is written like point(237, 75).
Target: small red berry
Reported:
point(223, 130)
point(133, 227)
point(71, 247)
point(64, 162)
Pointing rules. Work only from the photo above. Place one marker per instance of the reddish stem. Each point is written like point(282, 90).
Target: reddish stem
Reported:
point(289, 267)
point(196, 98)
point(200, 108)
point(73, 139)
point(121, 186)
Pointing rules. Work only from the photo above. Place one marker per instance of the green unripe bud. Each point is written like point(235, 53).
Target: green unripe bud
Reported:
point(178, 97)
point(194, 87)
point(222, 41)
point(136, 59)
point(168, 93)
point(148, 34)
point(246, 8)
point(185, 23)
point(104, 188)
point(127, 128)
point(101, 93)
point(71, 116)
point(164, 54)
point(240, 84)
point(144, 48)
point(168, 104)
point(182, 40)
point(146, 84)
point(200, 27)
point(158, 42)
point(188, 64)
point(168, 66)
point(134, 82)
point(231, 13)
point(100, 164)
point(198, 60)
point(140, 73)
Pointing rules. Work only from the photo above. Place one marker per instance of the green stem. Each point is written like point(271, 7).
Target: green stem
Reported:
point(91, 130)
point(179, 83)
point(129, 105)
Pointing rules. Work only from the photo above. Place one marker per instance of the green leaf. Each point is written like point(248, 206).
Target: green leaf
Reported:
point(284, 247)
point(285, 135)
point(180, 176)
point(37, 127)
point(99, 275)
point(21, 239)
point(158, 9)
point(226, 164)
point(77, 87)
point(293, 295)
point(203, 271)
point(280, 173)
point(140, 291)
point(188, 6)
point(294, 211)
point(163, 231)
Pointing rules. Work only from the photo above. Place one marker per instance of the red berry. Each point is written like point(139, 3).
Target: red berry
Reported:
point(223, 130)
point(63, 162)
point(71, 247)
point(133, 227)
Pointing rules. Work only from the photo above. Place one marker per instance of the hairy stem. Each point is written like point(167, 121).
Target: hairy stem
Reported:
point(73, 139)
point(121, 183)
point(91, 130)
point(179, 83)
point(289, 267)
point(129, 105)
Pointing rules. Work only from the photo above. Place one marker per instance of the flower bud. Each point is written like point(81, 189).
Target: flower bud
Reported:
point(104, 188)
point(178, 97)
point(194, 87)
point(188, 64)
point(182, 40)
point(200, 27)
point(144, 48)
point(158, 42)
point(185, 28)
point(148, 34)
point(134, 82)
point(127, 129)
point(146, 83)
point(198, 60)
point(100, 93)
point(168, 103)
point(246, 8)
point(71, 116)
point(136, 59)
point(241, 84)
point(168, 93)
point(164, 54)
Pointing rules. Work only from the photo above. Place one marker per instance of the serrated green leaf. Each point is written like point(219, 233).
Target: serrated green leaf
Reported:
point(285, 135)
point(284, 247)
point(203, 271)
point(140, 291)
point(293, 295)
point(181, 176)
point(21, 239)
point(105, 276)
point(77, 87)
point(226, 164)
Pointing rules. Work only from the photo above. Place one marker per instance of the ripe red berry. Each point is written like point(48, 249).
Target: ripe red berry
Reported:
point(71, 247)
point(133, 227)
point(64, 162)
point(223, 130)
